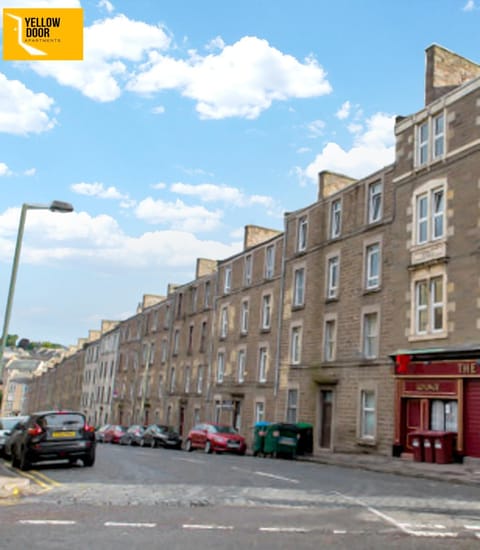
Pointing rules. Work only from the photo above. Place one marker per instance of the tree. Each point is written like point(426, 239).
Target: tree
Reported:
point(11, 340)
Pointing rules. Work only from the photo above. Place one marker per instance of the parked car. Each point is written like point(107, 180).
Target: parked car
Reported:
point(8, 425)
point(133, 435)
point(113, 433)
point(100, 433)
point(53, 435)
point(160, 435)
point(215, 438)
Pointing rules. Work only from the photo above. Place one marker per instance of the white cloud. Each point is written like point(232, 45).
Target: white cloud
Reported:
point(108, 45)
point(159, 185)
point(469, 6)
point(209, 192)
point(106, 5)
point(23, 111)
point(97, 190)
point(100, 241)
point(344, 111)
point(4, 169)
point(158, 110)
point(30, 172)
point(216, 44)
point(178, 215)
point(241, 81)
point(316, 128)
point(371, 150)
point(302, 150)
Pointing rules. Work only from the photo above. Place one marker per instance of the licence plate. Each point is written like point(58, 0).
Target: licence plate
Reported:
point(63, 434)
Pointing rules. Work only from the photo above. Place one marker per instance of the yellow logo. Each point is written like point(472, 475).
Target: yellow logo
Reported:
point(42, 34)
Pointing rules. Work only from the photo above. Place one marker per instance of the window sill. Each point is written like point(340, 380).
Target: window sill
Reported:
point(331, 300)
point(298, 307)
point(430, 336)
point(372, 290)
point(265, 330)
point(366, 442)
point(243, 333)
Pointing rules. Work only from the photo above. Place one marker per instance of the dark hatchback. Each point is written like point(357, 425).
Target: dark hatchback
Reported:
point(53, 435)
point(159, 435)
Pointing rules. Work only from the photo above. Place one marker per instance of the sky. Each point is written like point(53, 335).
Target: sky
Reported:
point(186, 121)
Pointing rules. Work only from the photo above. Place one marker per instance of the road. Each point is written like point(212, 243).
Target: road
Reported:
point(155, 498)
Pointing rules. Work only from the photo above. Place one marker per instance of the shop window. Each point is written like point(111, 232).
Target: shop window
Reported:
point(444, 415)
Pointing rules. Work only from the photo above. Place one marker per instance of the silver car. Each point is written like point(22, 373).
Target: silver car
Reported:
point(8, 425)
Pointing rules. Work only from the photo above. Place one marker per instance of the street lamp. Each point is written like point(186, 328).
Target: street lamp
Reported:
point(55, 206)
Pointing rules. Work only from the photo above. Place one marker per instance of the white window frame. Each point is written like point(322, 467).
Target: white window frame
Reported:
point(335, 218)
point(302, 229)
point(426, 217)
point(426, 305)
point(330, 339)
point(248, 270)
point(266, 311)
point(372, 268)
point(220, 367)
point(370, 324)
point(176, 341)
point(299, 289)
point(375, 201)
point(269, 261)
point(333, 276)
point(241, 365)
point(187, 379)
point(224, 322)
point(262, 364)
point(207, 291)
point(430, 139)
point(172, 380)
point(244, 313)
point(200, 373)
point(367, 409)
point(295, 344)
point(292, 406)
point(259, 411)
point(227, 283)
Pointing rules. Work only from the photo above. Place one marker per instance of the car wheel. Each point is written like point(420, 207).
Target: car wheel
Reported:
point(188, 446)
point(208, 447)
point(24, 463)
point(153, 443)
point(89, 460)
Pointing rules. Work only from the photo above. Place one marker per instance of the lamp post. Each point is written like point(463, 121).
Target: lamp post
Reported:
point(55, 206)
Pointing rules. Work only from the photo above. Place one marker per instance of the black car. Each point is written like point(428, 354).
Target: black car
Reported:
point(53, 435)
point(159, 435)
point(133, 435)
point(8, 425)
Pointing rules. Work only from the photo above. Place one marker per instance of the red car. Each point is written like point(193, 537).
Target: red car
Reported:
point(215, 438)
point(114, 433)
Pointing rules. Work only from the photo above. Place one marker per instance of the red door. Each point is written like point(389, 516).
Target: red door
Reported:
point(413, 418)
point(472, 418)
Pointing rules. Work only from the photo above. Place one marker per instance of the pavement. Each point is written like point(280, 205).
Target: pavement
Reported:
point(14, 486)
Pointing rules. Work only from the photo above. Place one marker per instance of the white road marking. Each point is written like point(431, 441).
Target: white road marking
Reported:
point(46, 522)
point(265, 474)
point(472, 527)
point(206, 526)
point(396, 523)
point(339, 531)
point(127, 524)
point(284, 529)
point(192, 460)
point(423, 525)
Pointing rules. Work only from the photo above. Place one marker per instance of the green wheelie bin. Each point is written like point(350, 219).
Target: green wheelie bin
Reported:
point(305, 441)
point(259, 433)
point(281, 439)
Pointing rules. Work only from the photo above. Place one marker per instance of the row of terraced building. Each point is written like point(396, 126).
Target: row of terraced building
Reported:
point(361, 317)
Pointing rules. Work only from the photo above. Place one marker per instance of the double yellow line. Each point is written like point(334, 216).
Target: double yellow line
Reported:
point(43, 481)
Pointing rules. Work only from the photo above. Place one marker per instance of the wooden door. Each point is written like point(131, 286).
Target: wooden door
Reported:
point(326, 418)
point(413, 418)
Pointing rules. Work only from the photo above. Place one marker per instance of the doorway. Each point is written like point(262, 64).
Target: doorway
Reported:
point(326, 419)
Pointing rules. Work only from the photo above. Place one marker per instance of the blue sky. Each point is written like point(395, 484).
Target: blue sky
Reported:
point(186, 121)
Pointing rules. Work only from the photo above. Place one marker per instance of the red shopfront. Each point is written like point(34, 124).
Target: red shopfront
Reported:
point(438, 394)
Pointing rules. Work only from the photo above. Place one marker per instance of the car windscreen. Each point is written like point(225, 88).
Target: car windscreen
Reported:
point(225, 430)
point(67, 420)
point(9, 423)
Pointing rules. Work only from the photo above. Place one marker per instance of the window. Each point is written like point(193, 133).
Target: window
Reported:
point(203, 336)
point(332, 283)
point(164, 350)
point(262, 365)
point(193, 299)
point(224, 322)
point(154, 320)
point(292, 404)
point(220, 367)
point(368, 414)
point(247, 276)
point(227, 283)
point(430, 215)
point(329, 340)
point(206, 298)
point(444, 415)
point(176, 341)
point(187, 379)
point(370, 335)
point(372, 265)
point(266, 311)
point(200, 379)
point(429, 305)
point(172, 379)
point(295, 345)
point(241, 361)
point(190, 339)
point(244, 317)
point(166, 323)
point(269, 262)
point(259, 411)
point(430, 140)
point(179, 305)
point(299, 287)
point(374, 201)
point(302, 233)
point(335, 218)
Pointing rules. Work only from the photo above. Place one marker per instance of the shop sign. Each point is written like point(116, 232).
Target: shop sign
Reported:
point(427, 387)
point(442, 368)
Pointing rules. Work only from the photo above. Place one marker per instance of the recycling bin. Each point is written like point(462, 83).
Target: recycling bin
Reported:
point(444, 447)
point(281, 440)
point(305, 440)
point(416, 443)
point(429, 446)
point(259, 433)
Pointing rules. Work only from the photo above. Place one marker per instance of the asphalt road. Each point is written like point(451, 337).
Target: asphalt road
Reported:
point(155, 498)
